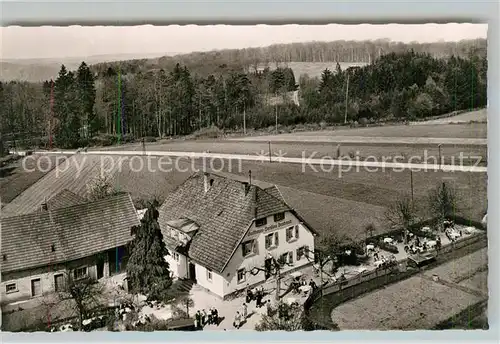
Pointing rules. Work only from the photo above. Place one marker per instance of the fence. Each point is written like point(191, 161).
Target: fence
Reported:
point(350, 288)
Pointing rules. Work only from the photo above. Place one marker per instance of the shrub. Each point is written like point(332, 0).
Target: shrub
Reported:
point(211, 132)
point(423, 234)
point(388, 247)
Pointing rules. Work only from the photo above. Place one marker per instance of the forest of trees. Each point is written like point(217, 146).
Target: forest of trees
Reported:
point(122, 103)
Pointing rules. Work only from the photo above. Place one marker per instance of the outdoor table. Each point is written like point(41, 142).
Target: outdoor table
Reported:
point(305, 289)
point(291, 300)
point(296, 274)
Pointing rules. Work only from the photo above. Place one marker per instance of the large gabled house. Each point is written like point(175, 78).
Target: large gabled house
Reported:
point(67, 235)
point(224, 233)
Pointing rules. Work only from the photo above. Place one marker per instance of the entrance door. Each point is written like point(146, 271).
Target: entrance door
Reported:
point(59, 282)
point(36, 287)
point(192, 272)
point(100, 269)
point(268, 263)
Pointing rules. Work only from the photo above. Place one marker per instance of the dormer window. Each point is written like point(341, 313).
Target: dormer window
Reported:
point(279, 217)
point(53, 248)
point(261, 222)
point(4, 257)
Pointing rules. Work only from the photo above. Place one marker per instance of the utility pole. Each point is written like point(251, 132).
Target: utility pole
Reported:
point(278, 281)
point(270, 160)
point(346, 96)
point(439, 149)
point(244, 120)
point(411, 182)
point(276, 116)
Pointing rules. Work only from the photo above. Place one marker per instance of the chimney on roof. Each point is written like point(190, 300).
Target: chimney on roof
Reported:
point(45, 206)
point(246, 187)
point(250, 177)
point(206, 184)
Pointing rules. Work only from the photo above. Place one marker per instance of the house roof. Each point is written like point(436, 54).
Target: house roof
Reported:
point(64, 199)
point(184, 225)
point(75, 232)
point(223, 214)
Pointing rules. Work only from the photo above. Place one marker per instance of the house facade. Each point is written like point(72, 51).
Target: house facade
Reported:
point(84, 240)
point(224, 234)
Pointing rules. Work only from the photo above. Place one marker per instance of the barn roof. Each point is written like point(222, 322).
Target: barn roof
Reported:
point(65, 234)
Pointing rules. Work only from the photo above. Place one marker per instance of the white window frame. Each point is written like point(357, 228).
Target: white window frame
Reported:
point(244, 278)
point(303, 252)
point(15, 290)
point(274, 240)
point(85, 275)
point(294, 230)
point(251, 251)
point(176, 256)
point(210, 276)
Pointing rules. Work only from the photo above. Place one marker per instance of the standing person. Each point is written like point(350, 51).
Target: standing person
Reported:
point(203, 317)
point(244, 313)
point(216, 316)
point(209, 316)
point(258, 298)
point(237, 320)
point(198, 319)
point(249, 294)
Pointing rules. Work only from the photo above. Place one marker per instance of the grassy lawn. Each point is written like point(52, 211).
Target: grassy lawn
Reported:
point(472, 130)
point(469, 270)
point(16, 177)
point(420, 302)
point(414, 303)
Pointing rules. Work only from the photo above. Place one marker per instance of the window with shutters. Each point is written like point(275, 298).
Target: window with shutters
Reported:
point(292, 233)
point(248, 248)
point(302, 252)
point(272, 240)
point(279, 217)
point(241, 275)
point(36, 287)
point(209, 275)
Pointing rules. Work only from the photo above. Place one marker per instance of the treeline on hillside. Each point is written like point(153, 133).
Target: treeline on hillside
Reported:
point(76, 107)
point(222, 61)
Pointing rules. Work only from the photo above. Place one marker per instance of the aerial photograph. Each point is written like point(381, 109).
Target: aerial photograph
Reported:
point(244, 177)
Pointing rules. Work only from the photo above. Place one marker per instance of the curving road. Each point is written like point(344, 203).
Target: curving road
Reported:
point(327, 163)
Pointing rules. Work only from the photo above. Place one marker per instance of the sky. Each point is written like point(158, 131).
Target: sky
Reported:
point(80, 41)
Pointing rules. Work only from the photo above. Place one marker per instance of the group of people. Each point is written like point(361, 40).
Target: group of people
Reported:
point(257, 296)
point(203, 318)
point(297, 283)
point(240, 318)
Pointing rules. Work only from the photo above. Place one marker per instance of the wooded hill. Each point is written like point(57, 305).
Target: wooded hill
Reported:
point(163, 97)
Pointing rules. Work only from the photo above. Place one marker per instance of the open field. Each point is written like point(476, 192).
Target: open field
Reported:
point(478, 116)
point(357, 197)
point(415, 303)
point(15, 177)
point(314, 69)
point(468, 271)
point(472, 130)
